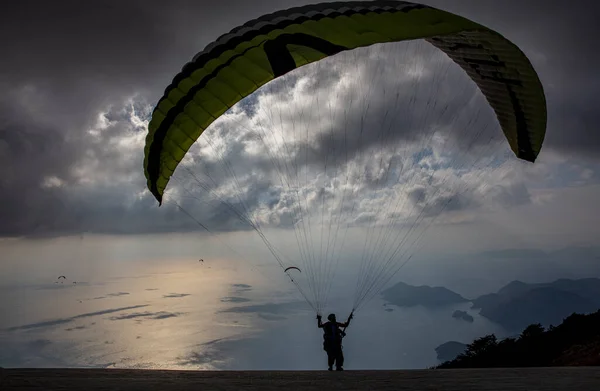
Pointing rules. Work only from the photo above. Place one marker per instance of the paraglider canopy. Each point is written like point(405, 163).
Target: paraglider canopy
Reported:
point(332, 153)
point(238, 63)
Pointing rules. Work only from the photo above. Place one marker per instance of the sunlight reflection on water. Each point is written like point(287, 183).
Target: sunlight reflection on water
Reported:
point(146, 321)
point(190, 316)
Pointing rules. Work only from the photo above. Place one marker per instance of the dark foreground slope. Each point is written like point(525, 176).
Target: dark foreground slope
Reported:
point(540, 379)
point(576, 341)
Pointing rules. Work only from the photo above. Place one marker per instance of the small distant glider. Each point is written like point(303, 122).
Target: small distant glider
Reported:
point(59, 277)
point(292, 267)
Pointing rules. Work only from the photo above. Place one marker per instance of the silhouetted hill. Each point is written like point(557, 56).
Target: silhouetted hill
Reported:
point(518, 304)
point(515, 288)
point(576, 341)
point(404, 295)
point(449, 350)
point(588, 288)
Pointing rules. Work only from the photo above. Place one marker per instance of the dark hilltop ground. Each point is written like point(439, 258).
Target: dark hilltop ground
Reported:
point(539, 379)
point(574, 342)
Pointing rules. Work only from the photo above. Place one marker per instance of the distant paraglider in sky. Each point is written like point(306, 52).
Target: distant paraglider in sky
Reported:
point(291, 268)
point(64, 278)
point(424, 97)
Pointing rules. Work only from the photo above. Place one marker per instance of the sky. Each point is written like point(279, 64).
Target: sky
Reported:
point(80, 81)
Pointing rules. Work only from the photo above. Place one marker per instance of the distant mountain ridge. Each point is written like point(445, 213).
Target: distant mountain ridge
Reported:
point(514, 306)
point(478, 273)
point(519, 304)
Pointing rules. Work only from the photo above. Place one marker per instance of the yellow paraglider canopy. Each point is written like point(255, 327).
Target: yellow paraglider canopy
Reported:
point(240, 62)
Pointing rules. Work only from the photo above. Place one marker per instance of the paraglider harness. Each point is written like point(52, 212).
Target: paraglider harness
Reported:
point(333, 335)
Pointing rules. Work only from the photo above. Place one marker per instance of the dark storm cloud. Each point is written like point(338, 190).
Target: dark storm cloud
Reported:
point(431, 204)
point(438, 202)
point(560, 39)
point(63, 64)
point(68, 61)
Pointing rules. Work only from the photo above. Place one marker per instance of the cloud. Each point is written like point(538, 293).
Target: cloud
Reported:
point(72, 127)
point(359, 170)
point(60, 123)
